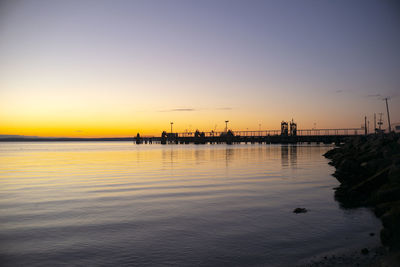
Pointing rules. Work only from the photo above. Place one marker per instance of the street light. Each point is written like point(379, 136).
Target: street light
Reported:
point(171, 125)
point(387, 108)
point(226, 126)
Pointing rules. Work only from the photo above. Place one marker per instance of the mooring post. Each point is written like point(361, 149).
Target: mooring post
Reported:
point(365, 125)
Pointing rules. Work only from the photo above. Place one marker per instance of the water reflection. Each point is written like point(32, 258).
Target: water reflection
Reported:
point(229, 155)
point(284, 155)
point(200, 155)
point(172, 155)
point(168, 156)
point(293, 155)
point(289, 155)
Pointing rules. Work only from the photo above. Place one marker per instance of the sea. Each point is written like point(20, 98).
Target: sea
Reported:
point(122, 204)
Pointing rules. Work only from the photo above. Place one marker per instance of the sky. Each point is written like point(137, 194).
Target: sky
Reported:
point(115, 68)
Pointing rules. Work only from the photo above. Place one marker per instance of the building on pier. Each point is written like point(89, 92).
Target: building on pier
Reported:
point(293, 128)
point(284, 128)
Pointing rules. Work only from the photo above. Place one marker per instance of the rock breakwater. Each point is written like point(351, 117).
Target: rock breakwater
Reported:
point(368, 169)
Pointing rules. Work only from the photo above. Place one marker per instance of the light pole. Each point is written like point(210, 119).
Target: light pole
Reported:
point(226, 126)
point(171, 125)
point(365, 125)
point(380, 122)
point(387, 108)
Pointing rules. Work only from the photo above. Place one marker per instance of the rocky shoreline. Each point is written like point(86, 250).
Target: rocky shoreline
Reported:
point(377, 257)
point(368, 169)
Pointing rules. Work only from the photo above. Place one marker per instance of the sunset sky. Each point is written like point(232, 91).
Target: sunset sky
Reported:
point(115, 68)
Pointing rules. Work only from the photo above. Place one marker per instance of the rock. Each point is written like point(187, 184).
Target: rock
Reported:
point(364, 251)
point(331, 153)
point(386, 237)
point(376, 164)
point(394, 173)
point(364, 164)
point(388, 193)
point(300, 210)
point(391, 219)
point(368, 169)
point(371, 234)
point(390, 235)
point(348, 199)
point(372, 183)
point(381, 209)
point(348, 166)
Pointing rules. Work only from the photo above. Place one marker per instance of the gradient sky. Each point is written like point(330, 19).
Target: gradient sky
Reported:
point(115, 68)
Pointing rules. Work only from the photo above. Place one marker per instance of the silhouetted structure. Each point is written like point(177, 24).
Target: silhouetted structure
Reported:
point(164, 137)
point(282, 136)
point(138, 139)
point(229, 137)
point(388, 114)
point(293, 128)
point(284, 128)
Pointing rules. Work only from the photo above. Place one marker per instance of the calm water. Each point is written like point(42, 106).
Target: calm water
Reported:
point(108, 204)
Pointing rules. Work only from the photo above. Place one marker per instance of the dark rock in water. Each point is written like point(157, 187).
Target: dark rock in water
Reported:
point(330, 153)
point(388, 193)
point(390, 235)
point(371, 183)
point(299, 210)
point(381, 209)
point(376, 164)
point(394, 173)
point(386, 236)
point(365, 251)
point(371, 234)
point(368, 169)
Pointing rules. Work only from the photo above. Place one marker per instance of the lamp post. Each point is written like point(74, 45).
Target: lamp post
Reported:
point(387, 108)
point(171, 125)
point(365, 125)
point(226, 126)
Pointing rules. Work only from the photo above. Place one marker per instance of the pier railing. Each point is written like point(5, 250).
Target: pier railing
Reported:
point(303, 132)
point(326, 136)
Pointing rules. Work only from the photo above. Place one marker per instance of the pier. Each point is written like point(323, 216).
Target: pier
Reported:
point(283, 136)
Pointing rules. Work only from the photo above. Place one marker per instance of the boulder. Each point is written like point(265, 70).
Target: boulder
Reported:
point(372, 183)
point(368, 169)
point(382, 208)
point(391, 219)
point(299, 210)
point(390, 235)
point(387, 193)
point(394, 174)
point(364, 251)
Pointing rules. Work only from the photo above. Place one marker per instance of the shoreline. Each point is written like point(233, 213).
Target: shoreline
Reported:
point(368, 169)
point(379, 256)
